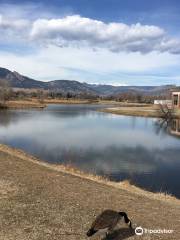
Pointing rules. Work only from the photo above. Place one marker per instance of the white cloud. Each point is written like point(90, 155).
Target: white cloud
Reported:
point(77, 31)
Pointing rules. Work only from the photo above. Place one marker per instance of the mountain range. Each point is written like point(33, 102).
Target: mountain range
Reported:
point(16, 80)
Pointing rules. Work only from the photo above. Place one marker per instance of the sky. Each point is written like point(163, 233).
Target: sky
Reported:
point(118, 42)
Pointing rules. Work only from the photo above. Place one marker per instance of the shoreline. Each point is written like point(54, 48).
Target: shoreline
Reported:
point(131, 112)
point(34, 103)
point(151, 112)
point(67, 169)
point(98, 101)
point(71, 101)
point(118, 108)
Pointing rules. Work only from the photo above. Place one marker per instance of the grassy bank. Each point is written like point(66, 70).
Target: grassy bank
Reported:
point(35, 103)
point(69, 101)
point(149, 111)
point(23, 104)
point(43, 201)
point(98, 101)
point(141, 111)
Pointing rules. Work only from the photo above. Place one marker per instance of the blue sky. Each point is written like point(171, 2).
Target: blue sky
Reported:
point(127, 42)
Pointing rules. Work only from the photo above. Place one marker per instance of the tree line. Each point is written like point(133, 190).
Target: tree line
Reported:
point(7, 93)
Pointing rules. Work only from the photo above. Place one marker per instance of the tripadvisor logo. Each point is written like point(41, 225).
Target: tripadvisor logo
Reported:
point(140, 231)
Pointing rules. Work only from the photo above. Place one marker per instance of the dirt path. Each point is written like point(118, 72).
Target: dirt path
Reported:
point(40, 203)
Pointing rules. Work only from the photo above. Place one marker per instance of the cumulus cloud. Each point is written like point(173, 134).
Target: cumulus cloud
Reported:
point(77, 31)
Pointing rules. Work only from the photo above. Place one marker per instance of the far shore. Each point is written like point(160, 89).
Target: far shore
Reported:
point(91, 101)
point(23, 104)
point(151, 111)
point(35, 103)
point(119, 108)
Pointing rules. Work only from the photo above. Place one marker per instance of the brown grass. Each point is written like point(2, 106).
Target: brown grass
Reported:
point(152, 111)
point(21, 104)
point(134, 111)
point(91, 101)
point(69, 101)
point(7, 188)
point(35, 103)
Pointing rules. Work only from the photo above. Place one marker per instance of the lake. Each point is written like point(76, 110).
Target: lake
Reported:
point(118, 147)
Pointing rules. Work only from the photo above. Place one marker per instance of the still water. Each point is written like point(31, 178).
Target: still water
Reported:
point(120, 147)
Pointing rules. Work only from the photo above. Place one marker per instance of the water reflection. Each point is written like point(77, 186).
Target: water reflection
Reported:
point(119, 147)
point(175, 127)
point(171, 126)
point(6, 117)
point(161, 126)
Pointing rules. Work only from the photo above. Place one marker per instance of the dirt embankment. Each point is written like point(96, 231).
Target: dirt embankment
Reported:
point(40, 201)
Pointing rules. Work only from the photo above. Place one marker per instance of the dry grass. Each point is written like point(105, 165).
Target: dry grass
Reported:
point(21, 104)
point(149, 111)
point(7, 188)
point(125, 104)
point(140, 111)
point(69, 169)
point(91, 101)
point(125, 184)
point(68, 101)
point(35, 103)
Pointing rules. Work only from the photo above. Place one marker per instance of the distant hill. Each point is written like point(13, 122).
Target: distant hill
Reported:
point(16, 80)
point(147, 90)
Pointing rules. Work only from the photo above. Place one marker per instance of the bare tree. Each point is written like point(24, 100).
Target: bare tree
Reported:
point(40, 96)
point(166, 112)
point(5, 92)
